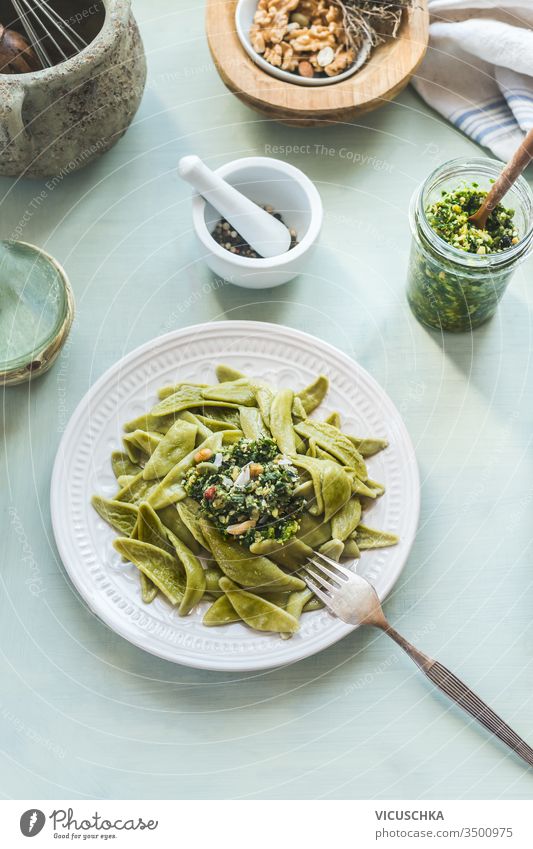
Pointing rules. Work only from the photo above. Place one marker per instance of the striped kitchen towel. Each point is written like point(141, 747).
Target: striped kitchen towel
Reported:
point(478, 71)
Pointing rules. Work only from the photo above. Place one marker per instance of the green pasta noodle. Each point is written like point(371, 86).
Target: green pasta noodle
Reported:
point(248, 570)
point(313, 395)
point(166, 391)
point(120, 515)
point(227, 373)
point(221, 612)
point(137, 489)
point(336, 489)
point(149, 528)
point(257, 612)
point(122, 465)
point(233, 392)
point(335, 420)
point(346, 519)
point(141, 442)
point(295, 606)
point(252, 424)
point(371, 538)
point(195, 580)
point(333, 548)
point(162, 569)
point(178, 441)
point(281, 426)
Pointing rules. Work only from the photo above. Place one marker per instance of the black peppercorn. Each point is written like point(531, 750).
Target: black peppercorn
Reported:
point(232, 241)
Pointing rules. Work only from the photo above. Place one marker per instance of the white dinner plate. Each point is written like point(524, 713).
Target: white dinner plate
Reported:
point(284, 357)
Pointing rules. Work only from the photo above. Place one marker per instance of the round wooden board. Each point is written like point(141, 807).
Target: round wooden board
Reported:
point(383, 77)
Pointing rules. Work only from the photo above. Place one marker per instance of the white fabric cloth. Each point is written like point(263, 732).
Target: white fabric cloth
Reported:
point(478, 71)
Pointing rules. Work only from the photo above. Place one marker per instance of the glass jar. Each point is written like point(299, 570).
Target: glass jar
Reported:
point(450, 289)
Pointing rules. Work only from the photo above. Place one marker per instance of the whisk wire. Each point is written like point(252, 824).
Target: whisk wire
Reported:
point(74, 38)
point(44, 58)
point(41, 17)
point(48, 33)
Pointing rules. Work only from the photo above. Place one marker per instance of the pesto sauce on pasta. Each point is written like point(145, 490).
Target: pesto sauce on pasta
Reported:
point(248, 491)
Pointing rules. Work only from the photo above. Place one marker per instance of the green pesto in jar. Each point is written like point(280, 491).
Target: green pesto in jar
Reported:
point(449, 216)
point(450, 292)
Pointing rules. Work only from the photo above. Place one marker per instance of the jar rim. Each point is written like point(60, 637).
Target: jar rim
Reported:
point(485, 166)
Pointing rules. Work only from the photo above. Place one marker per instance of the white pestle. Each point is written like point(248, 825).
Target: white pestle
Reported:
point(264, 233)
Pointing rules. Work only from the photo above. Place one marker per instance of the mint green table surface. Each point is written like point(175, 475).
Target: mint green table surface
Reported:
point(85, 714)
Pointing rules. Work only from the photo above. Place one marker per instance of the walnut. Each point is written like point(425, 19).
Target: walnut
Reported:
point(308, 7)
point(262, 16)
point(296, 33)
point(272, 30)
point(257, 39)
point(319, 31)
point(284, 6)
point(312, 40)
point(279, 28)
point(274, 55)
point(341, 62)
point(290, 61)
point(337, 28)
point(282, 56)
point(333, 14)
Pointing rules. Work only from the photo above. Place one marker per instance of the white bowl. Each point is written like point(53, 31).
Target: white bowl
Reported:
point(244, 16)
point(291, 193)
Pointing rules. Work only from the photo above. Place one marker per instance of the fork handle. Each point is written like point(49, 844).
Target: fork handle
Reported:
point(462, 695)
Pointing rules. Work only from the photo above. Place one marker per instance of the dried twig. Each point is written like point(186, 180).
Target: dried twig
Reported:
point(371, 21)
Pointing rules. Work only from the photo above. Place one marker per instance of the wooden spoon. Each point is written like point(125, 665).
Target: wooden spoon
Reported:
point(509, 175)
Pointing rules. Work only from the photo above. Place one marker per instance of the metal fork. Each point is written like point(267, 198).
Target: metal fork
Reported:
point(354, 600)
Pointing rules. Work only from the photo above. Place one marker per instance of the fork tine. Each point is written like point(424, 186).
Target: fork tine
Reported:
point(319, 578)
point(342, 569)
point(324, 569)
point(317, 591)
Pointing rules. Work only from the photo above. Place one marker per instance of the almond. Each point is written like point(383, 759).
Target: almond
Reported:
point(305, 69)
point(325, 56)
point(242, 527)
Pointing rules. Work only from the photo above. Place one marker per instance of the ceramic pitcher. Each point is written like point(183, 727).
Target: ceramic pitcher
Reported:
point(59, 119)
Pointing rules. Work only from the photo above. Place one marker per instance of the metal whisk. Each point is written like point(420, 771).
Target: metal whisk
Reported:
point(44, 26)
